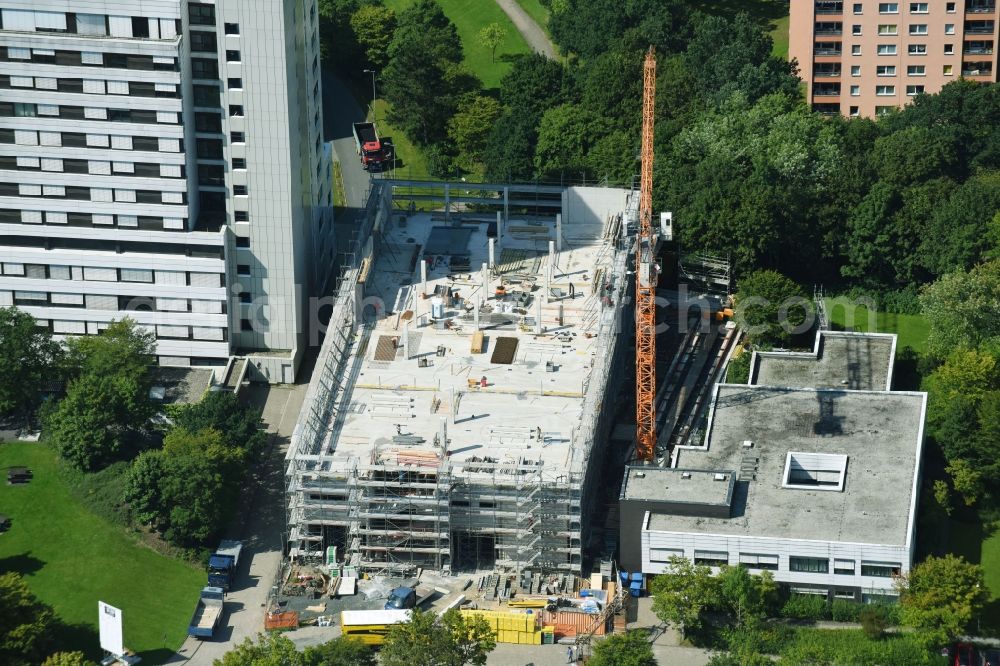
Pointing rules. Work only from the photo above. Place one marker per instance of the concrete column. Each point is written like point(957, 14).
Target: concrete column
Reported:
point(423, 277)
point(484, 276)
point(506, 204)
point(500, 225)
point(475, 311)
point(538, 317)
point(406, 341)
point(453, 410)
point(447, 201)
point(559, 232)
point(443, 433)
point(492, 246)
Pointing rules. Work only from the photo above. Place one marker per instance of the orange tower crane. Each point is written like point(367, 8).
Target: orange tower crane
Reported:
point(646, 278)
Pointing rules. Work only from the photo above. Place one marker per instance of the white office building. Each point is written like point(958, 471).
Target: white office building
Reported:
point(163, 160)
point(811, 471)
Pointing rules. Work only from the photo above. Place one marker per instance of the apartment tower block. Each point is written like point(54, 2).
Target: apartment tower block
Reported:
point(865, 58)
point(163, 160)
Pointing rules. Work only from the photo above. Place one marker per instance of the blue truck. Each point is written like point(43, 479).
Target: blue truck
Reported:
point(223, 563)
point(207, 614)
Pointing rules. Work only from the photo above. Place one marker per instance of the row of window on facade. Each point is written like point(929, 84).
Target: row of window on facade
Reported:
point(892, 29)
point(91, 167)
point(824, 70)
point(92, 25)
point(834, 49)
point(833, 90)
point(101, 195)
point(858, 8)
point(78, 219)
point(101, 274)
point(92, 86)
point(42, 56)
point(127, 303)
point(162, 332)
point(818, 565)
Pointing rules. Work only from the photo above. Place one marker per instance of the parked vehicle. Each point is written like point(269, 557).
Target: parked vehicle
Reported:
point(371, 626)
point(375, 153)
point(207, 614)
point(401, 598)
point(223, 563)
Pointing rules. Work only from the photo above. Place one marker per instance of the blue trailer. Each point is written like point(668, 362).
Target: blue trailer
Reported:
point(207, 614)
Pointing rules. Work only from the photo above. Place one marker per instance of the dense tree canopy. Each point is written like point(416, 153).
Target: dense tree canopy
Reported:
point(29, 360)
point(270, 649)
point(629, 649)
point(771, 308)
point(429, 640)
point(107, 401)
point(26, 624)
point(941, 596)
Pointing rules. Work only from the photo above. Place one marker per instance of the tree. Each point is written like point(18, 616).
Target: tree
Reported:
point(492, 36)
point(941, 596)
point(533, 84)
point(142, 492)
point(966, 479)
point(373, 26)
point(629, 649)
point(729, 56)
point(67, 659)
point(566, 136)
point(28, 360)
point(26, 624)
point(471, 125)
point(510, 148)
point(271, 649)
point(963, 309)
point(107, 401)
point(873, 620)
point(420, 80)
point(746, 597)
point(771, 307)
point(451, 640)
point(341, 651)
point(683, 594)
point(239, 424)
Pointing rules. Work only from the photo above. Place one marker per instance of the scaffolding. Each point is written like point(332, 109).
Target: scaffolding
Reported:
point(406, 503)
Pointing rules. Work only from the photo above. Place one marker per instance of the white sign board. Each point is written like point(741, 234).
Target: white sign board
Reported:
point(110, 621)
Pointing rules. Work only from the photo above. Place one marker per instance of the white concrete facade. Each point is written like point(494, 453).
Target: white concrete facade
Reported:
point(162, 160)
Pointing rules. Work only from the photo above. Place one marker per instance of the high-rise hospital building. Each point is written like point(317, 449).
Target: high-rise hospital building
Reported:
point(864, 58)
point(163, 160)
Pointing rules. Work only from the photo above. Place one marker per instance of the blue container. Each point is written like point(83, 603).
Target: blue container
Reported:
point(624, 576)
point(635, 589)
point(585, 593)
point(636, 576)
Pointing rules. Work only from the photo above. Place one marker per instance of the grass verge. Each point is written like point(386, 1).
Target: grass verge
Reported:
point(339, 195)
point(410, 159)
point(71, 558)
point(779, 35)
point(537, 12)
point(469, 17)
point(911, 329)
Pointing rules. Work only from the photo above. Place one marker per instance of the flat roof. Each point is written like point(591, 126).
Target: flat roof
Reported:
point(670, 484)
point(417, 366)
point(881, 433)
point(856, 361)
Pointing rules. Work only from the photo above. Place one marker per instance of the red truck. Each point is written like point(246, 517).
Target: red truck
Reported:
point(375, 153)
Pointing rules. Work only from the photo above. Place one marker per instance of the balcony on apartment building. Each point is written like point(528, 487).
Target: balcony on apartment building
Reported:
point(827, 49)
point(828, 28)
point(980, 27)
point(826, 90)
point(827, 70)
point(827, 108)
point(980, 8)
point(978, 47)
point(827, 7)
point(979, 69)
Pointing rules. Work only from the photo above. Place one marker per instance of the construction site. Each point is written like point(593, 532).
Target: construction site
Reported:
point(467, 383)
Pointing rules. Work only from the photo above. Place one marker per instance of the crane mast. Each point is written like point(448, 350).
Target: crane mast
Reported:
point(646, 279)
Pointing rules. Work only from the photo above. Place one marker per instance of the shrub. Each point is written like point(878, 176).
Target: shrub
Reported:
point(874, 621)
point(806, 607)
point(843, 610)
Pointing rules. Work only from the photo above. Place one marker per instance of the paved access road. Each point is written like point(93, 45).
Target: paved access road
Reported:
point(262, 531)
point(531, 31)
point(340, 112)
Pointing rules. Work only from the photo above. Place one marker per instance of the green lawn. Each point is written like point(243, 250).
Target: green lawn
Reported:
point(535, 10)
point(779, 35)
point(469, 17)
point(411, 159)
point(71, 558)
point(911, 329)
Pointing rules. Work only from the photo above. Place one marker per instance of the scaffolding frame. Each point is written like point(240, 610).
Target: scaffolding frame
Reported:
point(387, 517)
